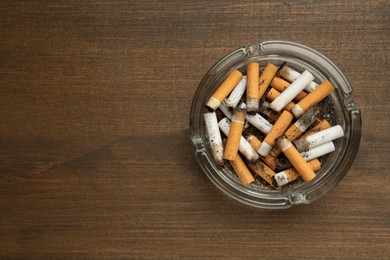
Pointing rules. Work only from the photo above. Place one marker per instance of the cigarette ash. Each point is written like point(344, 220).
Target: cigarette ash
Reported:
point(327, 110)
point(285, 163)
point(308, 120)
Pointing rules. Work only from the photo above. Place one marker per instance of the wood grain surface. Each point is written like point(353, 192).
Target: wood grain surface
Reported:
point(95, 155)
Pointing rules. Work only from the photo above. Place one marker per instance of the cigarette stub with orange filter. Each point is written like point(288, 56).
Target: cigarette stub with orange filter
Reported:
point(266, 77)
point(271, 161)
point(280, 85)
point(244, 147)
point(277, 130)
point(224, 89)
point(235, 132)
point(292, 91)
point(319, 138)
point(289, 175)
point(242, 171)
point(299, 127)
point(312, 99)
point(296, 159)
point(215, 138)
point(252, 87)
point(273, 94)
point(262, 170)
point(236, 94)
point(291, 75)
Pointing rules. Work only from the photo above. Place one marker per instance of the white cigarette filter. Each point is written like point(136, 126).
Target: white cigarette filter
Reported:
point(291, 75)
point(236, 95)
point(259, 122)
point(292, 91)
point(244, 146)
point(317, 139)
point(318, 151)
point(225, 110)
point(215, 138)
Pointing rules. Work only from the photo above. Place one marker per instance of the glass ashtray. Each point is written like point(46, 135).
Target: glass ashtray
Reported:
point(345, 113)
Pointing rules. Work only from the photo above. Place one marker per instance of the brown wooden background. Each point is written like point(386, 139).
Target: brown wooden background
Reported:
point(95, 155)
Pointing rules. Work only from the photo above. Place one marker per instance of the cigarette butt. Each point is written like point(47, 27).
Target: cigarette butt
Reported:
point(289, 175)
point(215, 138)
point(259, 122)
point(280, 85)
point(233, 140)
point(242, 171)
point(266, 77)
point(273, 94)
point(271, 161)
point(318, 151)
point(236, 94)
point(292, 91)
point(224, 89)
point(319, 138)
point(313, 98)
point(252, 87)
point(322, 125)
point(244, 147)
point(263, 171)
point(291, 75)
point(296, 159)
point(277, 130)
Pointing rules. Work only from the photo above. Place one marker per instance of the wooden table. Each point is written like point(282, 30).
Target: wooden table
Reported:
point(95, 155)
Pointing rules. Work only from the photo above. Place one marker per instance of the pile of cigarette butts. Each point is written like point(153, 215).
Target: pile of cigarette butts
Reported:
point(282, 105)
